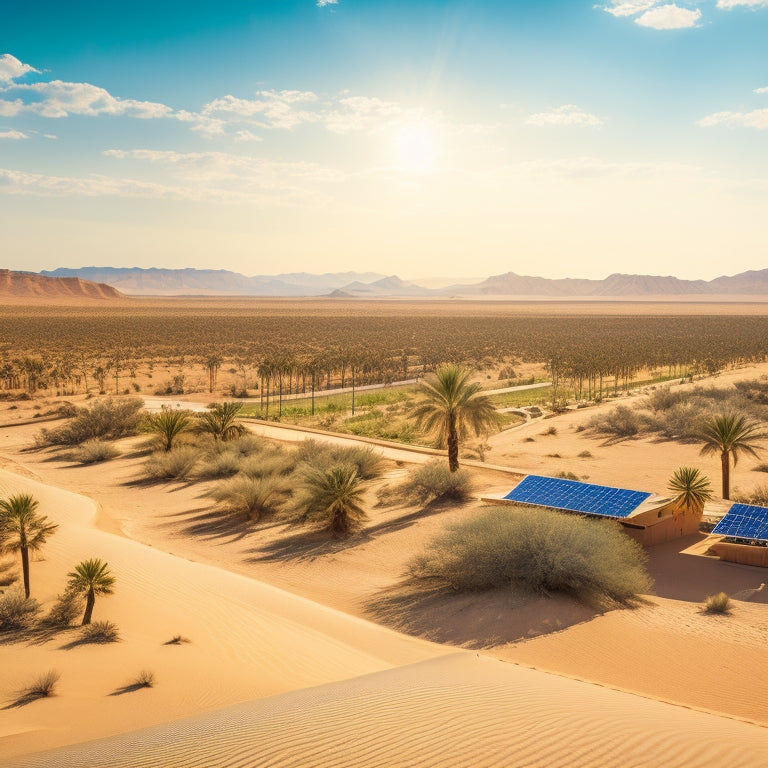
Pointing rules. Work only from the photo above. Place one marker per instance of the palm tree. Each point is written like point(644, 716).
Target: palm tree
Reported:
point(23, 530)
point(453, 407)
point(692, 489)
point(731, 435)
point(333, 497)
point(221, 421)
point(91, 577)
point(168, 424)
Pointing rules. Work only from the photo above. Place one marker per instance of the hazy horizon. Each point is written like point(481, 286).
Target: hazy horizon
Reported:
point(433, 139)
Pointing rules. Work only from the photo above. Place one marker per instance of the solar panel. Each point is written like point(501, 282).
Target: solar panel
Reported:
point(574, 496)
point(744, 521)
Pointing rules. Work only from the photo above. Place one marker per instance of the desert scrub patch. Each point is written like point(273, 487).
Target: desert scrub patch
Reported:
point(105, 419)
point(428, 482)
point(250, 496)
point(94, 451)
point(178, 464)
point(719, 603)
point(17, 612)
point(100, 632)
point(539, 550)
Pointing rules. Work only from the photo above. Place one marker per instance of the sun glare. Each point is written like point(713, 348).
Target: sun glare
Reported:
point(415, 147)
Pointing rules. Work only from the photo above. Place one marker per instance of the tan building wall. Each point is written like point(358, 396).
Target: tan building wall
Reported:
point(746, 554)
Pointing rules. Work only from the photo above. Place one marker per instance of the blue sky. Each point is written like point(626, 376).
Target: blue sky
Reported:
point(419, 138)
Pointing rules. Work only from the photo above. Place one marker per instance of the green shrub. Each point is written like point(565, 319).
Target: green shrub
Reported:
point(364, 459)
point(17, 612)
point(434, 480)
point(93, 451)
point(221, 463)
point(105, 419)
point(268, 464)
point(540, 550)
point(177, 464)
point(100, 632)
point(719, 603)
point(253, 497)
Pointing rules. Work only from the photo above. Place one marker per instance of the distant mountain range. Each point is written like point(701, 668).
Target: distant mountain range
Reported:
point(136, 281)
point(29, 286)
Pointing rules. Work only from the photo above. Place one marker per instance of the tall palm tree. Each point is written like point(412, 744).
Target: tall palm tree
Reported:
point(731, 435)
point(454, 407)
point(691, 488)
point(168, 424)
point(333, 497)
point(23, 530)
point(220, 420)
point(91, 577)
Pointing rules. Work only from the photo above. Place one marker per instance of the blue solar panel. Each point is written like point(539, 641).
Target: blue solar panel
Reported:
point(744, 521)
point(576, 497)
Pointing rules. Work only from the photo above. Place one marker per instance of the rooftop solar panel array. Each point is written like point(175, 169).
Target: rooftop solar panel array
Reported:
point(744, 521)
point(574, 496)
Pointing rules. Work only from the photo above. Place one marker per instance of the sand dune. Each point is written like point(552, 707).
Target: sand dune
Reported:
point(248, 639)
point(460, 710)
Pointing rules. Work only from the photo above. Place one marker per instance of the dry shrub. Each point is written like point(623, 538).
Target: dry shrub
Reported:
point(40, 688)
point(539, 550)
point(253, 497)
point(105, 419)
point(93, 451)
point(367, 462)
point(431, 481)
point(268, 464)
point(100, 632)
point(719, 603)
point(178, 464)
point(758, 496)
point(66, 608)
point(618, 422)
point(17, 612)
point(219, 464)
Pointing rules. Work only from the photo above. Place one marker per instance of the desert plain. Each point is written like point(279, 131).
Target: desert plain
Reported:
point(299, 650)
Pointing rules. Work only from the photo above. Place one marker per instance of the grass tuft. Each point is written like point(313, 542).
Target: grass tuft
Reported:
point(719, 603)
point(100, 632)
point(94, 451)
point(178, 464)
point(17, 612)
point(429, 482)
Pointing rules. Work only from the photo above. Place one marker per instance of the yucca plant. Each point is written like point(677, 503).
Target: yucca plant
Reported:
point(692, 489)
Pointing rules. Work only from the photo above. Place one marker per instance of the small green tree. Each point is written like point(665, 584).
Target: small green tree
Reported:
point(332, 497)
point(731, 435)
point(168, 424)
point(691, 488)
point(91, 577)
point(453, 407)
point(220, 420)
point(23, 530)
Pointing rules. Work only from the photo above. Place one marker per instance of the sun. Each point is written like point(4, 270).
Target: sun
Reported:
point(415, 147)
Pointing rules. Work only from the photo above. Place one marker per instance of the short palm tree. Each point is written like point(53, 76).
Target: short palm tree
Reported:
point(333, 498)
point(91, 577)
point(731, 435)
point(23, 530)
point(691, 488)
point(220, 420)
point(168, 424)
point(454, 407)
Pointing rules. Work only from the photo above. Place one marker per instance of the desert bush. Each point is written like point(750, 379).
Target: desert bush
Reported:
point(253, 497)
point(105, 419)
point(17, 612)
point(268, 464)
point(618, 422)
point(178, 464)
point(40, 688)
point(719, 603)
point(177, 640)
point(145, 679)
point(550, 431)
point(758, 496)
point(66, 608)
point(567, 475)
point(537, 549)
point(218, 464)
point(433, 480)
point(760, 467)
point(93, 451)
point(364, 459)
point(585, 455)
point(100, 632)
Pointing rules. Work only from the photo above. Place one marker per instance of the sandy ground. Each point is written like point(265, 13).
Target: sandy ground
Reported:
point(290, 662)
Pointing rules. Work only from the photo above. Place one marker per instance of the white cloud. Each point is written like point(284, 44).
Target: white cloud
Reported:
point(758, 118)
point(628, 7)
point(729, 5)
point(11, 68)
point(271, 109)
point(761, 90)
point(568, 114)
point(669, 17)
point(245, 135)
point(59, 99)
point(13, 135)
point(323, 3)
